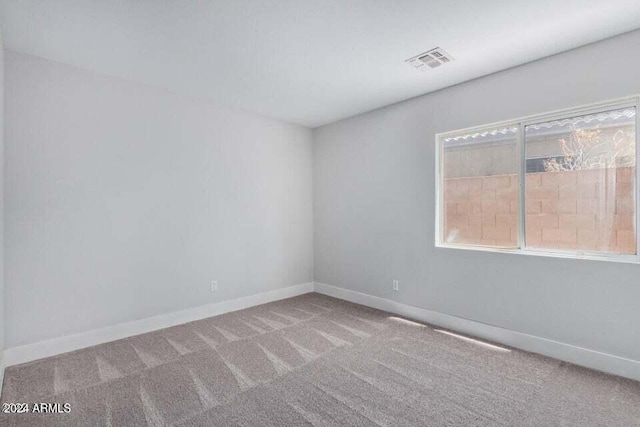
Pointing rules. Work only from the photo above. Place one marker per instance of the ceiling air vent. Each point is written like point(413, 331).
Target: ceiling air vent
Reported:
point(432, 59)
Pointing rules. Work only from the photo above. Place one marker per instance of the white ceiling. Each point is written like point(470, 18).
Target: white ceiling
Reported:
point(305, 61)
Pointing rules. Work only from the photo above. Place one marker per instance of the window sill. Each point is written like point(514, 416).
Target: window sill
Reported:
point(624, 258)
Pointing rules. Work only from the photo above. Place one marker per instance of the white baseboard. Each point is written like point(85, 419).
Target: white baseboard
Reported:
point(52, 347)
point(580, 356)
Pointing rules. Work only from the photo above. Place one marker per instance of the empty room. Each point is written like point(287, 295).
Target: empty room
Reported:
point(319, 213)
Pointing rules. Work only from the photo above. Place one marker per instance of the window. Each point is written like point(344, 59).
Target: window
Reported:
point(560, 184)
point(480, 172)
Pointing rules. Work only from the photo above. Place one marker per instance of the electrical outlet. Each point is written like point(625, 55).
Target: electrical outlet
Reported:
point(396, 285)
point(214, 285)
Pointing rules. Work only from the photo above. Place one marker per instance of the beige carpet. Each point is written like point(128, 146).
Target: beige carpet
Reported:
point(315, 360)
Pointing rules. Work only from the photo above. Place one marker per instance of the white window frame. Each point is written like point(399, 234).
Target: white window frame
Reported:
point(521, 123)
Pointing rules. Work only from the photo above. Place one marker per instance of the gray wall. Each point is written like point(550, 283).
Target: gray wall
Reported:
point(374, 195)
point(2, 322)
point(124, 202)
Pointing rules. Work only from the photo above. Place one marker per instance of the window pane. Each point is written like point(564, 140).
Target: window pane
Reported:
point(480, 198)
point(580, 183)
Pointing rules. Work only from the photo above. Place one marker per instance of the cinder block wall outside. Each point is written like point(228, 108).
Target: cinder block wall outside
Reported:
point(581, 210)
